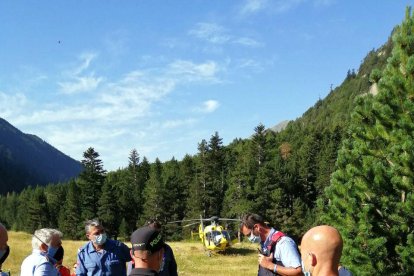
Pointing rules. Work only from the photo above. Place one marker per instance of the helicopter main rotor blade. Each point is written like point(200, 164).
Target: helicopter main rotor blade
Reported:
point(224, 219)
point(183, 220)
point(187, 225)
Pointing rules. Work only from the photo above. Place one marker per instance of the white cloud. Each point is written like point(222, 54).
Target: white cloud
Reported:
point(208, 106)
point(75, 82)
point(253, 6)
point(216, 34)
point(249, 42)
point(80, 84)
point(210, 32)
point(191, 71)
point(86, 59)
point(10, 105)
point(250, 63)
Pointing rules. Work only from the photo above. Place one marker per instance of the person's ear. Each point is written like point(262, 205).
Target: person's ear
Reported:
point(313, 260)
point(44, 247)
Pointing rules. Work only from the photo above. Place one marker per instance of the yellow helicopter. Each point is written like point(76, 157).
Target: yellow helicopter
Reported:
point(214, 237)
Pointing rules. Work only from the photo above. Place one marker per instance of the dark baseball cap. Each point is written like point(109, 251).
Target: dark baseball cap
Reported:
point(147, 238)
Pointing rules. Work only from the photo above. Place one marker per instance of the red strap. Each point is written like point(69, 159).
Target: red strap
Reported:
point(274, 239)
point(276, 236)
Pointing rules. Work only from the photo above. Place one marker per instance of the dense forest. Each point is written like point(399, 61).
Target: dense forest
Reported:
point(347, 162)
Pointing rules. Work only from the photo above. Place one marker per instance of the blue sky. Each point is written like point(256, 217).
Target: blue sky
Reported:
point(162, 75)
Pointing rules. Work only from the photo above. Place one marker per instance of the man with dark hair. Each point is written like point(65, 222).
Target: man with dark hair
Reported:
point(101, 256)
point(278, 252)
point(147, 251)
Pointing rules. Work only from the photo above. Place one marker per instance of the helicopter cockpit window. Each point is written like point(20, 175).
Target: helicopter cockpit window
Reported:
point(216, 236)
point(226, 235)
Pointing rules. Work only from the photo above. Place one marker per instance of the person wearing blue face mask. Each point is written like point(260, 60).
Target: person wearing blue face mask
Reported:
point(278, 253)
point(101, 256)
point(45, 243)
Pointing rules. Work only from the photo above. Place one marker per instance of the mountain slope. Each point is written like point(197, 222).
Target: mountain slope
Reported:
point(26, 159)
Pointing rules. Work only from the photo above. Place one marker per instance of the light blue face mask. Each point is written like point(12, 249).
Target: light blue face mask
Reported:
point(100, 239)
point(254, 239)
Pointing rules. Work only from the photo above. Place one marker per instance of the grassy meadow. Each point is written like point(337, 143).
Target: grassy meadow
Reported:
point(241, 259)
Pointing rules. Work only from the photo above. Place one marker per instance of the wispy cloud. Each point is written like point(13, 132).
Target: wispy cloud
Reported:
point(128, 98)
point(80, 84)
point(76, 82)
point(130, 102)
point(190, 71)
point(86, 59)
point(249, 42)
point(210, 32)
point(208, 106)
point(11, 104)
point(252, 6)
point(216, 34)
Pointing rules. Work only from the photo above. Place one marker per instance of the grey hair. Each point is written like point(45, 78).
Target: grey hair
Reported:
point(92, 223)
point(44, 235)
point(2, 226)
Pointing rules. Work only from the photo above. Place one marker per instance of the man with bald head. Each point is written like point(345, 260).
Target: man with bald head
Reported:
point(321, 250)
point(4, 248)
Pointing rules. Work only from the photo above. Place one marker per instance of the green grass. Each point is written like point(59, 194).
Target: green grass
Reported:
point(191, 259)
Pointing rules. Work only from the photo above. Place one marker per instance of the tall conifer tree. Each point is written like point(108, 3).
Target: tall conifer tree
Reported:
point(90, 181)
point(70, 222)
point(371, 198)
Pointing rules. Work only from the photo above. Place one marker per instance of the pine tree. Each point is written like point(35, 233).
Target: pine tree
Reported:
point(194, 205)
point(90, 182)
point(173, 202)
point(38, 213)
point(259, 144)
point(201, 186)
point(70, 221)
point(371, 197)
point(153, 194)
point(108, 211)
point(216, 171)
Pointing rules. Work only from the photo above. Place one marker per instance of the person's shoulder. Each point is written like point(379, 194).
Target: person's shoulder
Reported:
point(167, 247)
point(84, 248)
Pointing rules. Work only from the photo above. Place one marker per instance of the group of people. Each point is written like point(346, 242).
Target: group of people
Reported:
point(321, 249)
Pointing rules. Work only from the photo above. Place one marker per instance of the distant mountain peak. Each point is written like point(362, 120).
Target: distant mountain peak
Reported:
point(280, 126)
point(26, 159)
